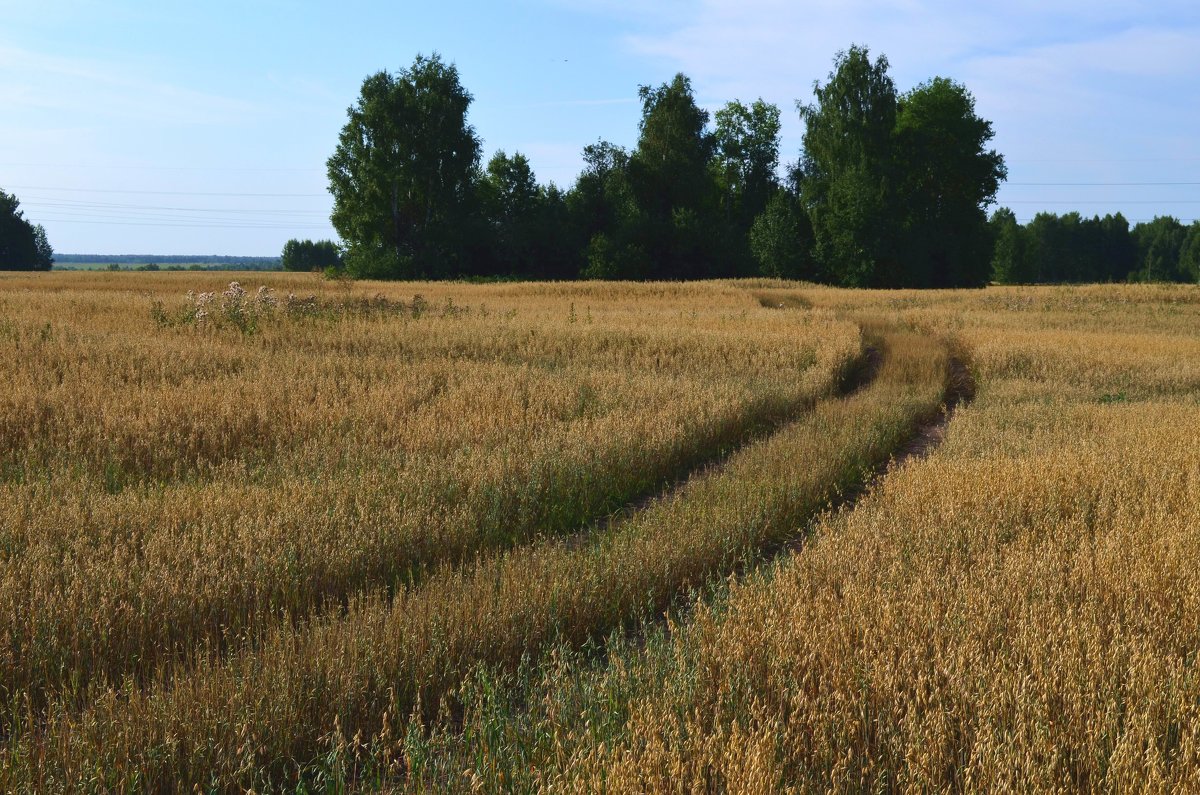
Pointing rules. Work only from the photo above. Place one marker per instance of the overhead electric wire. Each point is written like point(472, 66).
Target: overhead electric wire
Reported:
point(168, 192)
point(70, 205)
point(116, 214)
point(182, 225)
point(1098, 184)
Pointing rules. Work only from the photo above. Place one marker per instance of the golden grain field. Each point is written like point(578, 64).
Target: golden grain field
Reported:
point(404, 536)
point(1015, 612)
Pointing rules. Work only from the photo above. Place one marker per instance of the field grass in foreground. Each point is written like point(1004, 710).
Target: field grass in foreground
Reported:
point(249, 721)
point(172, 490)
point(1016, 612)
point(356, 540)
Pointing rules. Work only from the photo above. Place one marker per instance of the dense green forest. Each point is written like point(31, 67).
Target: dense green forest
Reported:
point(1053, 249)
point(890, 189)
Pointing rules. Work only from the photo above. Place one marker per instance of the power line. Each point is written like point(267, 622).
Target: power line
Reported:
point(183, 225)
point(66, 204)
point(171, 193)
point(237, 169)
point(63, 213)
point(1098, 184)
point(213, 223)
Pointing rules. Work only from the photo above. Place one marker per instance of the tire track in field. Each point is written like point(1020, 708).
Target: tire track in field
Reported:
point(413, 652)
point(855, 377)
point(925, 437)
point(960, 390)
point(164, 663)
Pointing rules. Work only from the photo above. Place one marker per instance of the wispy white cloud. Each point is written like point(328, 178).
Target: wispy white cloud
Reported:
point(1064, 81)
point(784, 46)
point(36, 81)
point(1119, 96)
point(662, 11)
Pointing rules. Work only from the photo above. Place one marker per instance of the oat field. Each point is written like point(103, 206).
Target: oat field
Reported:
point(294, 535)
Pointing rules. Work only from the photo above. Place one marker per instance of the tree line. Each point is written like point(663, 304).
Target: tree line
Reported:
point(1070, 248)
point(167, 261)
point(890, 189)
point(23, 245)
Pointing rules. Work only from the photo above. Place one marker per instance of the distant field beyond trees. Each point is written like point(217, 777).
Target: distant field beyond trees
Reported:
point(163, 262)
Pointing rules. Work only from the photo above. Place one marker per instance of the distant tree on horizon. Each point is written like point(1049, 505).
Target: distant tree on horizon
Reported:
point(1010, 257)
point(23, 245)
point(309, 255)
point(745, 165)
point(672, 187)
point(846, 174)
point(1160, 244)
point(603, 213)
point(1189, 253)
point(781, 239)
point(948, 176)
point(528, 232)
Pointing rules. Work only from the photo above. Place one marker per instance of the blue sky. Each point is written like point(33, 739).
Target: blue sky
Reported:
point(194, 128)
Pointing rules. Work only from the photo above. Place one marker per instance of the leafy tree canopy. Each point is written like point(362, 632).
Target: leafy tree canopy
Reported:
point(1055, 248)
point(1189, 254)
point(781, 239)
point(847, 177)
point(308, 255)
point(1159, 246)
point(896, 186)
point(747, 154)
point(403, 174)
point(672, 185)
point(23, 245)
point(947, 176)
point(527, 223)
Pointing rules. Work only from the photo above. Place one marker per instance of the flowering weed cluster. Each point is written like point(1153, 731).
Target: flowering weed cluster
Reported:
point(233, 307)
point(236, 308)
